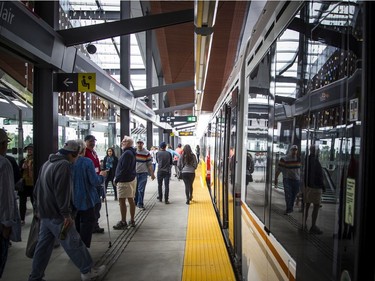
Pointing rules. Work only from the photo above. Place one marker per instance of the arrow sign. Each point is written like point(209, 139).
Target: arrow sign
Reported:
point(74, 82)
point(67, 82)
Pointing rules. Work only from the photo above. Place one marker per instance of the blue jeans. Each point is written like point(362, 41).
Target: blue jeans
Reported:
point(141, 187)
point(291, 188)
point(73, 246)
point(166, 177)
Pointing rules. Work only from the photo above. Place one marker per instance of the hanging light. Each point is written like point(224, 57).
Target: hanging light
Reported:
point(205, 15)
point(91, 49)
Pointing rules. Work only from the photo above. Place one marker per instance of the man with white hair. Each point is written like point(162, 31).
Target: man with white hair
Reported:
point(126, 182)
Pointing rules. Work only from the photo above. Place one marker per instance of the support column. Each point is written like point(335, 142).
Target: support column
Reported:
point(125, 69)
point(149, 83)
point(45, 101)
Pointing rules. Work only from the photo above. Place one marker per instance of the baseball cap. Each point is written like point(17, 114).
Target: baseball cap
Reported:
point(140, 141)
point(3, 136)
point(30, 145)
point(90, 137)
point(163, 145)
point(71, 146)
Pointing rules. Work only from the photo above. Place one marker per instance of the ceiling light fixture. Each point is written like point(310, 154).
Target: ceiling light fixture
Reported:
point(205, 16)
point(91, 48)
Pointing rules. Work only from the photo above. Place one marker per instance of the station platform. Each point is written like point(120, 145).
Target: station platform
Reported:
point(170, 242)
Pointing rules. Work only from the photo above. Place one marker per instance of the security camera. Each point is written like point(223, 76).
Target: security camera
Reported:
point(146, 99)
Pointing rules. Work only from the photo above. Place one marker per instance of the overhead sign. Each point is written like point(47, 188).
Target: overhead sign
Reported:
point(185, 134)
point(178, 118)
point(74, 82)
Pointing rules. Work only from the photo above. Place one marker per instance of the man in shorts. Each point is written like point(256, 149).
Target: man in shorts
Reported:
point(126, 182)
point(314, 187)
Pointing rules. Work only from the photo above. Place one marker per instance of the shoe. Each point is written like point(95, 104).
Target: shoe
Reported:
point(132, 223)
point(120, 225)
point(94, 272)
point(287, 212)
point(315, 230)
point(98, 229)
point(187, 202)
point(142, 208)
point(159, 198)
point(167, 202)
point(22, 222)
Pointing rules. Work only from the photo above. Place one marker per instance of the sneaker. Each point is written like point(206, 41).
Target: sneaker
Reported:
point(98, 229)
point(315, 230)
point(120, 225)
point(132, 223)
point(94, 272)
point(167, 202)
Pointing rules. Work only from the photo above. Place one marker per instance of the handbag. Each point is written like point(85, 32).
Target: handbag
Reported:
point(179, 174)
point(15, 234)
point(33, 237)
point(20, 185)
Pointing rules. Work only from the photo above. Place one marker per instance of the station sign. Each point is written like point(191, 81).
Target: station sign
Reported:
point(178, 118)
point(74, 82)
point(185, 133)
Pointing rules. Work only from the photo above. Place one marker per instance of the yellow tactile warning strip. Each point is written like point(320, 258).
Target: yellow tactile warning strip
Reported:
point(206, 257)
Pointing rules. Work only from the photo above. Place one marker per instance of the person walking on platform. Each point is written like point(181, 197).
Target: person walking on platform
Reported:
point(314, 188)
point(126, 182)
point(153, 152)
point(91, 153)
point(187, 165)
point(53, 205)
point(110, 164)
point(85, 196)
point(290, 166)
point(165, 162)
point(8, 215)
point(27, 172)
point(197, 152)
point(143, 168)
point(179, 150)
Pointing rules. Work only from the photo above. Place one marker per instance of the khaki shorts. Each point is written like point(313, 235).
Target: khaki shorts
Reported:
point(313, 195)
point(126, 189)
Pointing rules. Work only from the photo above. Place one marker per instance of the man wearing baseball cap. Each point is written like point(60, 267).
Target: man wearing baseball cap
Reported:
point(90, 152)
point(144, 169)
point(53, 205)
point(290, 166)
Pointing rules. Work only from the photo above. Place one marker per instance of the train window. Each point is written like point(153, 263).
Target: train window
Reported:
point(313, 137)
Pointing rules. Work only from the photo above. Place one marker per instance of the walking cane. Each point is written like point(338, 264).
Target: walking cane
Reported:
point(106, 213)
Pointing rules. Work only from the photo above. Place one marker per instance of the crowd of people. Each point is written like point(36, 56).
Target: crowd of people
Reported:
point(70, 188)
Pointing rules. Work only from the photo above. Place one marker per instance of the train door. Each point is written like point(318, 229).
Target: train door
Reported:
point(221, 166)
point(230, 168)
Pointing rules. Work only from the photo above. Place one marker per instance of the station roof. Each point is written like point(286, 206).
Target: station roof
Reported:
point(175, 46)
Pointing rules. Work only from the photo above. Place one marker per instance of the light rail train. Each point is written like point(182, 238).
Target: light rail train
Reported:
point(299, 81)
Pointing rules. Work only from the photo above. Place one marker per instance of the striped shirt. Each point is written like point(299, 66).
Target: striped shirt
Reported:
point(143, 160)
point(290, 167)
